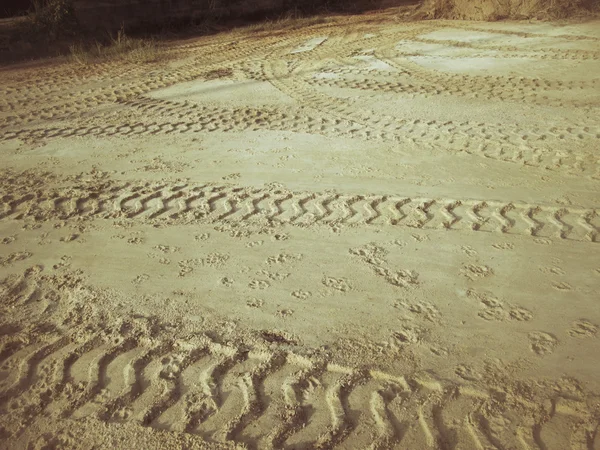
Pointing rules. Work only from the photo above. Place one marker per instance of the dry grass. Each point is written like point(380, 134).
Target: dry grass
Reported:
point(289, 21)
point(122, 48)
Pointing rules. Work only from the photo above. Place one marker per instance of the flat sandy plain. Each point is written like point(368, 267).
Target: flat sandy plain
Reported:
point(360, 234)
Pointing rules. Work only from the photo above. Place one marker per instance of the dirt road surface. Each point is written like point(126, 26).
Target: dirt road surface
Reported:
point(360, 234)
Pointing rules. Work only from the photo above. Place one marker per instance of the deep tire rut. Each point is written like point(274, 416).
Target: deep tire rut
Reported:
point(238, 204)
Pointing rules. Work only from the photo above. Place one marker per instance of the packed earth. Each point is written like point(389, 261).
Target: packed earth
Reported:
point(364, 233)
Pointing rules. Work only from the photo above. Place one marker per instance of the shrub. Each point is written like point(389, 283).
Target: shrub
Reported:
point(53, 18)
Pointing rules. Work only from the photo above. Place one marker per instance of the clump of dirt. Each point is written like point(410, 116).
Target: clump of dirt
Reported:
point(506, 9)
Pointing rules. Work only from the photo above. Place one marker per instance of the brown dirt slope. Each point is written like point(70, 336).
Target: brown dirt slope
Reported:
point(505, 9)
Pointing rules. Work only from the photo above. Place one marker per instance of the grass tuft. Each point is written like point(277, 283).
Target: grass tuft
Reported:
point(121, 47)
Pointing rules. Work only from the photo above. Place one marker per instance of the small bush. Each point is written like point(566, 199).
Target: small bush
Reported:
point(52, 18)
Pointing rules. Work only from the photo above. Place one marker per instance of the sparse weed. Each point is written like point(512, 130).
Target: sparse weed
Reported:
point(121, 47)
point(292, 20)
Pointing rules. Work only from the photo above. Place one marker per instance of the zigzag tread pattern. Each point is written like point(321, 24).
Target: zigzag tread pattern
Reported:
point(251, 396)
point(238, 204)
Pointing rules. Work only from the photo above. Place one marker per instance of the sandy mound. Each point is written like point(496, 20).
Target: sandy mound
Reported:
point(505, 9)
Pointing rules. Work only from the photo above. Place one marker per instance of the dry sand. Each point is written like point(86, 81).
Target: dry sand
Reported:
point(363, 234)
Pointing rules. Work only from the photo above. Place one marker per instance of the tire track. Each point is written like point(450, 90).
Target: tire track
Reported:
point(260, 398)
point(497, 141)
point(485, 87)
point(237, 204)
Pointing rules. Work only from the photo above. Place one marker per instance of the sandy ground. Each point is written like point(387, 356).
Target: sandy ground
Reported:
point(363, 234)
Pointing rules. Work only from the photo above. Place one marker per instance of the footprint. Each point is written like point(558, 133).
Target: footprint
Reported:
point(439, 351)
point(255, 303)
point(339, 284)
point(542, 343)
point(504, 246)
point(259, 284)
point(467, 373)
point(472, 271)
point(423, 309)
point(470, 251)
point(283, 313)
point(14, 257)
point(583, 328)
point(141, 279)
point(302, 295)
point(486, 298)
point(283, 258)
point(166, 249)
point(72, 237)
point(226, 281)
point(520, 314)
point(187, 266)
point(215, 260)
point(407, 336)
point(202, 237)
point(562, 286)
point(400, 278)
point(8, 239)
point(494, 314)
point(553, 270)
point(274, 276)
point(255, 244)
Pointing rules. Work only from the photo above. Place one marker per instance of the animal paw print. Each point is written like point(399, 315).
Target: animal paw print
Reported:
point(402, 278)
point(283, 258)
point(14, 257)
point(439, 351)
point(494, 309)
point(300, 294)
point(274, 276)
point(171, 368)
point(8, 240)
point(583, 328)
point(469, 251)
point(542, 343)
point(339, 284)
point(141, 279)
point(226, 281)
point(473, 271)
point(215, 259)
point(408, 335)
point(562, 286)
point(187, 266)
point(423, 309)
point(370, 253)
point(493, 314)
point(167, 249)
point(520, 314)
point(123, 413)
point(255, 303)
point(259, 284)
point(467, 373)
point(283, 313)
